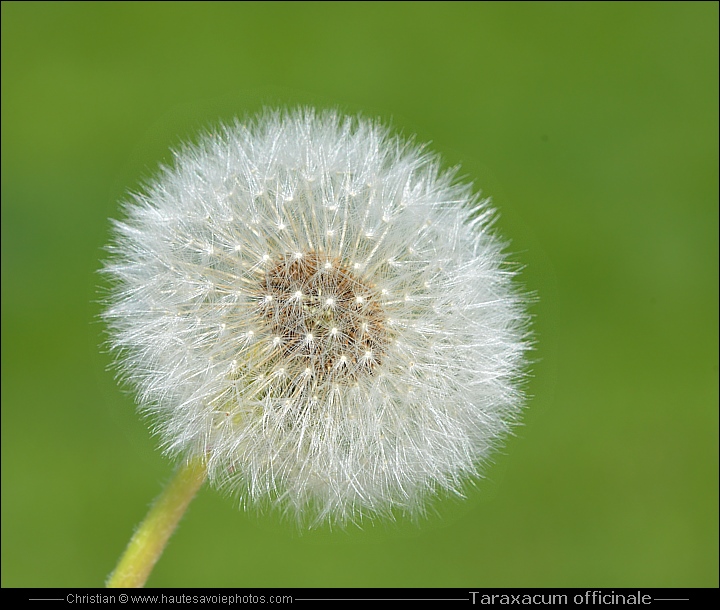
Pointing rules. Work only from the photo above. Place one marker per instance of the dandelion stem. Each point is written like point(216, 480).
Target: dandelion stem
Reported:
point(150, 538)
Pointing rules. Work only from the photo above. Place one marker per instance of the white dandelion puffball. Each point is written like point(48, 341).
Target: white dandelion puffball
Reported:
point(311, 307)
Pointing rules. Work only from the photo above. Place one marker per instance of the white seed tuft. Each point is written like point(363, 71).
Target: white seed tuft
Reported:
point(371, 338)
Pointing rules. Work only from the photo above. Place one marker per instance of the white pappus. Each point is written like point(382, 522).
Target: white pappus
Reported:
point(309, 305)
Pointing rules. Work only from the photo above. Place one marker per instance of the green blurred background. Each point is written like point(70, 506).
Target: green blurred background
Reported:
point(594, 127)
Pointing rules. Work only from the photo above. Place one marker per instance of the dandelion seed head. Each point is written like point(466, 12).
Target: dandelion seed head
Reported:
point(310, 305)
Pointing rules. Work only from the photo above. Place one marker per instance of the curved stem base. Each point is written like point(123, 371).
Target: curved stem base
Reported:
point(151, 537)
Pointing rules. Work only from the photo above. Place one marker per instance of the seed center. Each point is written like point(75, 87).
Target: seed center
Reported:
point(326, 321)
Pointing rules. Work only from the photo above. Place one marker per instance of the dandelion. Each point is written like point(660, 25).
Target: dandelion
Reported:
point(318, 317)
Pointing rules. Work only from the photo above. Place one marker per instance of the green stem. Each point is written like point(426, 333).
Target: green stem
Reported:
point(150, 538)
